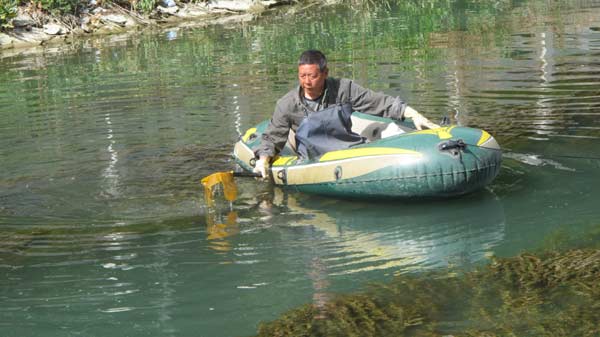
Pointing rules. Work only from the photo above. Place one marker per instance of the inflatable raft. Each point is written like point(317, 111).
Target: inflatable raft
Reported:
point(396, 161)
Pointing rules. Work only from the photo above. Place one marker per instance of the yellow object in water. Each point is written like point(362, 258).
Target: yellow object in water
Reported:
point(223, 178)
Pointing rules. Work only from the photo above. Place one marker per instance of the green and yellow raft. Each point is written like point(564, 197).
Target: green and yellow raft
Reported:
point(396, 161)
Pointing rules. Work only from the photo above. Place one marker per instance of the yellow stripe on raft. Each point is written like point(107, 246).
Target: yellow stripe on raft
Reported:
point(248, 133)
point(484, 138)
point(282, 161)
point(442, 133)
point(363, 152)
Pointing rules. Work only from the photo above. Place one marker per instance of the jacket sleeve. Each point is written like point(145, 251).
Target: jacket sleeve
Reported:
point(276, 134)
point(375, 103)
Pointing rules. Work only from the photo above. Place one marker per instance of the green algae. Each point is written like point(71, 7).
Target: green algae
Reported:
point(550, 294)
point(554, 293)
point(383, 310)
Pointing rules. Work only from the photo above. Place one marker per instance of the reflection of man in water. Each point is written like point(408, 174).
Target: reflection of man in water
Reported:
point(320, 107)
point(318, 275)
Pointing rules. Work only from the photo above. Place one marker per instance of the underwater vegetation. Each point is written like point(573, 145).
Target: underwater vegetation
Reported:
point(547, 293)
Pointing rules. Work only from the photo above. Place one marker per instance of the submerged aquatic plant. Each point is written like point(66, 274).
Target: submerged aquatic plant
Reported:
point(408, 305)
point(549, 294)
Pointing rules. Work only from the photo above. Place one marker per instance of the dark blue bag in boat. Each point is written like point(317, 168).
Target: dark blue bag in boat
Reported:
point(326, 130)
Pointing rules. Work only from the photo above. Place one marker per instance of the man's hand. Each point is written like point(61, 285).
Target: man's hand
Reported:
point(262, 166)
point(419, 120)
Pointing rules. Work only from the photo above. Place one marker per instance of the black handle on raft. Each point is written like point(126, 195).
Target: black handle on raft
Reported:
point(452, 144)
point(247, 174)
point(445, 121)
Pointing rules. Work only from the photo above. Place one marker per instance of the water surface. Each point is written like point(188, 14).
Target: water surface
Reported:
point(103, 227)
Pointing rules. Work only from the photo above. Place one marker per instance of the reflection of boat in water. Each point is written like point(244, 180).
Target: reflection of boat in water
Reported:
point(353, 236)
point(362, 236)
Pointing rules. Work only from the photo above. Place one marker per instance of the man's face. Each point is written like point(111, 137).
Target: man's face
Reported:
point(312, 80)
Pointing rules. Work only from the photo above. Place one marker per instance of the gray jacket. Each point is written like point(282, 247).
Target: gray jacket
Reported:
point(291, 110)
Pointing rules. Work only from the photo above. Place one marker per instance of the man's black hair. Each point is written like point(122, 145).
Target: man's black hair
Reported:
point(313, 56)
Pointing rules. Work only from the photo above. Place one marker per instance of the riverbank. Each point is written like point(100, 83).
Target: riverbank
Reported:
point(32, 27)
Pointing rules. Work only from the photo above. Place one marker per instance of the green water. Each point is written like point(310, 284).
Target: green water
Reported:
point(103, 229)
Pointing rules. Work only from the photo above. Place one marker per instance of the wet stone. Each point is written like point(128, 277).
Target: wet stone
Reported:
point(52, 29)
point(168, 10)
point(115, 18)
point(237, 6)
point(23, 23)
point(5, 40)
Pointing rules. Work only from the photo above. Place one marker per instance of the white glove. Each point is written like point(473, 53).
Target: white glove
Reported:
point(419, 120)
point(262, 167)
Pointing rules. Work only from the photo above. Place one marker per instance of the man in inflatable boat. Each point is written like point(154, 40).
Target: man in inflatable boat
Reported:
point(296, 116)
